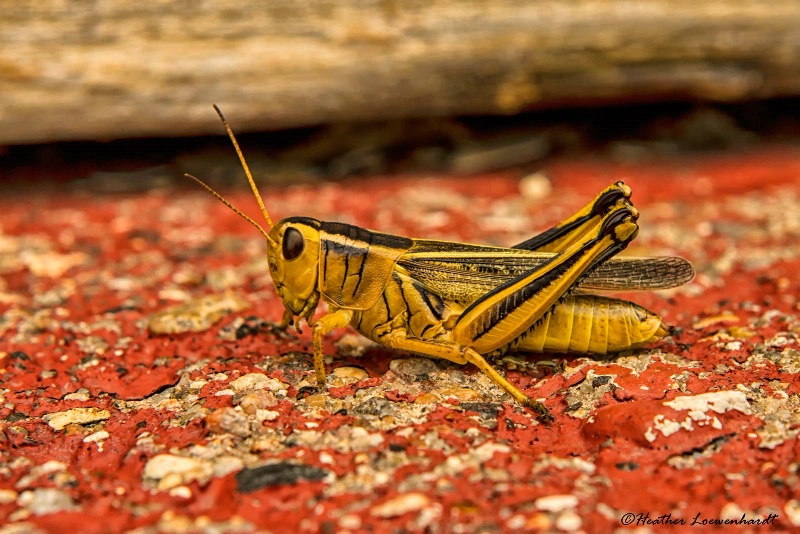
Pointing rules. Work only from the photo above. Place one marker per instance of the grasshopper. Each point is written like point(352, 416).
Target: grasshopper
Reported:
point(462, 302)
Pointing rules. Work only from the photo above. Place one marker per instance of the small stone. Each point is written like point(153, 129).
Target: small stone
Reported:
point(731, 510)
point(718, 401)
point(316, 400)
point(171, 522)
point(257, 400)
point(253, 381)
point(402, 504)
point(740, 332)
point(792, 509)
point(7, 496)
point(362, 440)
point(82, 395)
point(267, 415)
point(51, 264)
point(183, 492)
point(196, 315)
point(535, 186)
point(350, 375)
point(223, 465)
point(569, 521)
point(539, 522)
point(515, 522)
point(555, 503)
point(247, 382)
point(230, 421)
point(79, 416)
point(224, 278)
point(350, 522)
point(92, 345)
point(462, 394)
point(43, 501)
point(97, 437)
point(428, 398)
point(413, 366)
point(353, 345)
point(168, 471)
point(47, 469)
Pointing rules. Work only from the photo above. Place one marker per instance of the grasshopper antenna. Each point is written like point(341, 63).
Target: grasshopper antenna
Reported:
point(249, 179)
point(231, 206)
point(244, 165)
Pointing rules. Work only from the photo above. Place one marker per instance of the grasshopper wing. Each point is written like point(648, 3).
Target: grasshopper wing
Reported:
point(463, 272)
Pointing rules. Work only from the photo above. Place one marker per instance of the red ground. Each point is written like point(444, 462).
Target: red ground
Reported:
point(157, 426)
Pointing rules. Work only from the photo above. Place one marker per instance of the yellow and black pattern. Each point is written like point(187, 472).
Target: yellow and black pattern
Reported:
point(498, 318)
point(406, 305)
point(467, 272)
point(356, 264)
point(460, 302)
point(595, 325)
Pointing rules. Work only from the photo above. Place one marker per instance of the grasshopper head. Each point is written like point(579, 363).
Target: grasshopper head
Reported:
point(293, 254)
point(292, 246)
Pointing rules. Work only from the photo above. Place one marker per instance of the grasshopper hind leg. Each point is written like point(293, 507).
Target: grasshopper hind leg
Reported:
point(561, 236)
point(496, 320)
point(463, 355)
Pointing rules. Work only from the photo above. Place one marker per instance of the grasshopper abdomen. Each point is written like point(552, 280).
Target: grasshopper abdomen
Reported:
point(596, 325)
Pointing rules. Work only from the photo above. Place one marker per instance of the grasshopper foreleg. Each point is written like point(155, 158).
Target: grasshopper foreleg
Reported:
point(337, 318)
point(286, 320)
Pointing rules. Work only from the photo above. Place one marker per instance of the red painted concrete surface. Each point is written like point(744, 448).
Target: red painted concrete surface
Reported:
point(107, 426)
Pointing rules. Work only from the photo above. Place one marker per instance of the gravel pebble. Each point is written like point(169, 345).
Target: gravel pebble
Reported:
point(168, 471)
point(196, 315)
point(349, 375)
point(402, 504)
point(536, 186)
point(569, 521)
point(252, 381)
point(7, 496)
point(43, 501)
point(79, 416)
point(413, 366)
point(556, 503)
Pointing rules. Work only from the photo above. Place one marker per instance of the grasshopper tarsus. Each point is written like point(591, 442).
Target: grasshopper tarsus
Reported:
point(461, 302)
point(542, 413)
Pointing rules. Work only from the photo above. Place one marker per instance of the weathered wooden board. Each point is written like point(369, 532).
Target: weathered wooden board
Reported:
point(116, 68)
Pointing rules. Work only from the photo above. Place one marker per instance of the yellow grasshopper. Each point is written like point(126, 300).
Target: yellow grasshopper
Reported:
point(462, 302)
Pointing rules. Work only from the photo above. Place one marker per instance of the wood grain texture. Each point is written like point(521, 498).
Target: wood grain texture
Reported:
point(117, 68)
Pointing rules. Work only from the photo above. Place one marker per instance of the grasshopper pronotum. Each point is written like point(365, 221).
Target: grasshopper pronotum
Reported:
point(462, 302)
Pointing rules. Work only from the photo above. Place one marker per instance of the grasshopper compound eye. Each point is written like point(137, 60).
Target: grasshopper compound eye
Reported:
point(293, 244)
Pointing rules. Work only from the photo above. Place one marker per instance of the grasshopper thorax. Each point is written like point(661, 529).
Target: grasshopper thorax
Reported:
point(293, 255)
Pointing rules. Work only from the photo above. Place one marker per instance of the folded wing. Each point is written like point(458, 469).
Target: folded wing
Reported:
point(464, 272)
